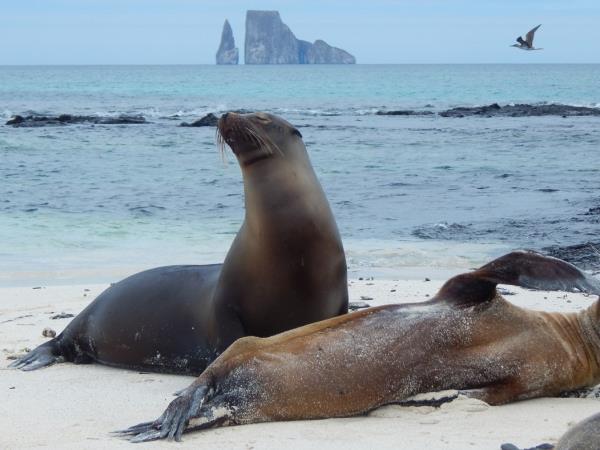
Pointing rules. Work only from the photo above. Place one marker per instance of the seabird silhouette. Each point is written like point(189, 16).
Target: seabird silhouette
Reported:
point(527, 43)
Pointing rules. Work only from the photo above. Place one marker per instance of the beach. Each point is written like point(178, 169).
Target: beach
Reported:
point(77, 406)
point(420, 192)
point(387, 145)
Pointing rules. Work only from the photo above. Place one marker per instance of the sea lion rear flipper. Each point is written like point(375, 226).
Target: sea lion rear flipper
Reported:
point(44, 355)
point(521, 268)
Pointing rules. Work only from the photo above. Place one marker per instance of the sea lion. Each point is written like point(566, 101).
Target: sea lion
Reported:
point(585, 435)
point(285, 268)
point(466, 338)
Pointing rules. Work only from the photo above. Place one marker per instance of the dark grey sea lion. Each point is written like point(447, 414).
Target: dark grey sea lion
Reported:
point(585, 435)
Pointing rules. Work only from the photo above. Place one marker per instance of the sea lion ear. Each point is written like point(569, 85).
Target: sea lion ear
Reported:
point(296, 132)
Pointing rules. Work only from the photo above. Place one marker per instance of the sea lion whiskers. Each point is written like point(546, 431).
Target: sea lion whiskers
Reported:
point(272, 145)
point(253, 136)
point(220, 143)
point(263, 141)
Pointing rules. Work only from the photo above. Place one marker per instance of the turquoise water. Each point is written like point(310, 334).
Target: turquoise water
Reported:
point(85, 202)
point(310, 89)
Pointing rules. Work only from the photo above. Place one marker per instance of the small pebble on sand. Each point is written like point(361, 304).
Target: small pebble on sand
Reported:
point(48, 332)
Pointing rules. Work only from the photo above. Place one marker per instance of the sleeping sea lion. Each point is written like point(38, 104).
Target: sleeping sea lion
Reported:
point(467, 338)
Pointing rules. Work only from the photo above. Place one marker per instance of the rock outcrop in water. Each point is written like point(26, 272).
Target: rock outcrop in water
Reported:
point(228, 52)
point(521, 110)
point(209, 120)
point(322, 53)
point(67, 119)
point(495, 110)
point(585, 256)
point(270, 41)
point(404, 112)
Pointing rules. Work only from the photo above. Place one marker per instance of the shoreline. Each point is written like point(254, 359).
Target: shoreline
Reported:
point(77, 406)
point(380, 258)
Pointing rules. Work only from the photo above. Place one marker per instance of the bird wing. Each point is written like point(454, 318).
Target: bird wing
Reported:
point(529, 36)
point(522, 42)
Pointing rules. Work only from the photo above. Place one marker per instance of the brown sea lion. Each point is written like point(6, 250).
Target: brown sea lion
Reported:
point(466, 338)
point(285, 268)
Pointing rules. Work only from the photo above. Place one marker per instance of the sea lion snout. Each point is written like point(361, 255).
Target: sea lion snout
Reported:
point(250, 136)
point(227, 116)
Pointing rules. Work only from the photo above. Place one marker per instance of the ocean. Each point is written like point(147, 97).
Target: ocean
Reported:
point(88, 202)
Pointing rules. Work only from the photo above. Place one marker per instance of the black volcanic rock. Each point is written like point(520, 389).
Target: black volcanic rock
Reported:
point(209, 120)
point(67, 119)
point(270, 41)
point(521, 110)
point(228, 52)
point(403, 112)
point(585, 255)
point(15, 120)
point(120, 120)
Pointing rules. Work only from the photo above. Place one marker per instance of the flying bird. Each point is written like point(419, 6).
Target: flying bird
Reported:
point(527, 43)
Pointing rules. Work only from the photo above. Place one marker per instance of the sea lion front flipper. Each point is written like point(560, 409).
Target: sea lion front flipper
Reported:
point(521, 268)
point(178, 416)
point(44, 355)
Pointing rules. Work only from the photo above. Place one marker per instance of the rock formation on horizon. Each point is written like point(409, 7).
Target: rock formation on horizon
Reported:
point(322, 53)
point(270, 41)
point(228, 52)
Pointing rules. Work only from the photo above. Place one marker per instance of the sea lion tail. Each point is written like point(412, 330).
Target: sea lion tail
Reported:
point(42, 356)
point(193, 410)
point(521, 268)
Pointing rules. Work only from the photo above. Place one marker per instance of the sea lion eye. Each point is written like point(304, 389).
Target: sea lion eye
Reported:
point(263, 118)
point(296, 132)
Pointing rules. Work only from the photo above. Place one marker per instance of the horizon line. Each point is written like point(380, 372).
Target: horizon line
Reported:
point(288, 65)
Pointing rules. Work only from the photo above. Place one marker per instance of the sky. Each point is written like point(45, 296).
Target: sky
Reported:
point(374, 31)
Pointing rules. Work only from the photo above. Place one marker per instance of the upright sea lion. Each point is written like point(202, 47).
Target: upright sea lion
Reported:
point(466, 338)
point(285, 268)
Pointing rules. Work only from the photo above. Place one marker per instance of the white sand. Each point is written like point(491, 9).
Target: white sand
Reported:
point(70, 406)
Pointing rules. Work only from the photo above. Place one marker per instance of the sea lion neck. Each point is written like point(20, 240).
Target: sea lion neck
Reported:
point(275, 189)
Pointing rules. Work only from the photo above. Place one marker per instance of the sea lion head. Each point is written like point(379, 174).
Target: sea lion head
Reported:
point(258, 136)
